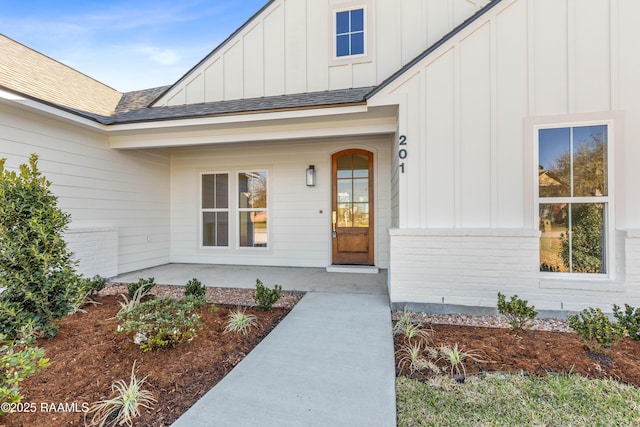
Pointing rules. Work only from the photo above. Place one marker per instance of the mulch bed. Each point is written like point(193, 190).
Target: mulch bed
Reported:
point(87, 356)
point(535, 352)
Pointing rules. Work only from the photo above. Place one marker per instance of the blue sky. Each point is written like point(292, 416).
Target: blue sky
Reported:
point(128, 45)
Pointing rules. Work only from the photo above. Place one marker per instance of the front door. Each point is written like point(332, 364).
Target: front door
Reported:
point(352, 207)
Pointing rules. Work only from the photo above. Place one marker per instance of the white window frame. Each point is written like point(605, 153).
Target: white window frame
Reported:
point(367, 56)
point(609, 200)
point(203, 210)
point(239, 210)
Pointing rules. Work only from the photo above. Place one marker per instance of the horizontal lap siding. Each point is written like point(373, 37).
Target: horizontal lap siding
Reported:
point(126, 191)
point(300, 234)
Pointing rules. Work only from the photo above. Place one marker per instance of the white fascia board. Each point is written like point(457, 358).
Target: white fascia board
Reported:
point(234, 118)
point(15, 100)
point(297, 126)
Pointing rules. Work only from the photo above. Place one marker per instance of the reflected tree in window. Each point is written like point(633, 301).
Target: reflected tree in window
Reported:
point(573, 191)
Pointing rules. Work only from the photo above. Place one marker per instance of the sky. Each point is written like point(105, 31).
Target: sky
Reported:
point(126, 44)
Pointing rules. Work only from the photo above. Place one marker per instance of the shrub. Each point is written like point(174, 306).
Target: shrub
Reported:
point(19, 360)
point(35, 267)
point(265, 297)
point(195, 288)
point(239, 321)
point(517, 311)
point(595, 329)
point(94, 285)
point(629, 320)
point(126, 404)
point(160, 323)
point(145, 284)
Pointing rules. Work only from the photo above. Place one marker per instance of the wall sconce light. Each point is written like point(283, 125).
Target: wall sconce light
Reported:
point(311, 176)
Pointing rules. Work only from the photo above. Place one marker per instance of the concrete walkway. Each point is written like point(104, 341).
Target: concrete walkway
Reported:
point(328, 363)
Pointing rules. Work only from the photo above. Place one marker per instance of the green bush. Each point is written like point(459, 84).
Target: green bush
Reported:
point(595, 329)
point(629, 320)
point(35, 267)
point(91, 287)
point(195, 288)
point(19, 360)
point(265, 297)
point(145, 284)
point(161, 323)
point(517, 311)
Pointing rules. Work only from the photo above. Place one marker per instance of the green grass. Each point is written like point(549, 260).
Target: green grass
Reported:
point(517, 400)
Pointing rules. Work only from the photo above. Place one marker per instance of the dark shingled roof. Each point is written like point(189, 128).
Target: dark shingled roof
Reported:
point(268, 103)
point(139, 99)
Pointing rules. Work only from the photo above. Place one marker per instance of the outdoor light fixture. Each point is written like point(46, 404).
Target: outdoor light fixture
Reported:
point(311, 176)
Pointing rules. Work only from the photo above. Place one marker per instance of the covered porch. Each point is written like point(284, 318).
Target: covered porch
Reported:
point(305, 279)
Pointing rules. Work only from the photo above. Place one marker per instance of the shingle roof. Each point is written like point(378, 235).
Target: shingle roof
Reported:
point(269, 103)
point(31, 73)
point(139, 99)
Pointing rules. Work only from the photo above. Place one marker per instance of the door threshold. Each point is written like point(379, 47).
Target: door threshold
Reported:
point(363, 269)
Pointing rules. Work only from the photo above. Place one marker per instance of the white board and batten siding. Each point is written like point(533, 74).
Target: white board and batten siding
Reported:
point(118, 200)
point(299, 217)
point(467, 223)
point(288, 48)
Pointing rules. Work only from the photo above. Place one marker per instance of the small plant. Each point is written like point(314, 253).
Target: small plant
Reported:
point(595, 329)
point(94, 285)
point(146, 284)
point(413, 358)
point(239, 321)
point(410, 330)
point(195, 288)
point(403, 322)
point(126, 405)
point(19, 360)
point(629, 320)
point(129, 304)
point(160, 323)
point(517, 311)
point(265, 297)
point(456, 357)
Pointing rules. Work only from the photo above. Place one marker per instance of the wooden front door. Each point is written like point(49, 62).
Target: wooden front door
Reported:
point(352, 207)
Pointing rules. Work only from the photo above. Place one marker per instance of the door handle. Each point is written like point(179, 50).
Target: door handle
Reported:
point(334, 220)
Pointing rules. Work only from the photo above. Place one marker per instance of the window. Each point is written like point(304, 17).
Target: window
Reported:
point(573, 198)
point(350, 33)
point(252, 208)
point(215, 209)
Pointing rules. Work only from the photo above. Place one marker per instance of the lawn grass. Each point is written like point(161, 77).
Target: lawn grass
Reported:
point(512, 399)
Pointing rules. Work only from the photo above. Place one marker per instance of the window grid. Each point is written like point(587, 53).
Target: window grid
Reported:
point(215, 210)
point(350, 33)
point(573, 199)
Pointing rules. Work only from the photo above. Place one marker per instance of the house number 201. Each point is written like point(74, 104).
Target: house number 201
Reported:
point(402, 152)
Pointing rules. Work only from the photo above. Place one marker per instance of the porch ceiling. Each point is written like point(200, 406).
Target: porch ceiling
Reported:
point(268, 126)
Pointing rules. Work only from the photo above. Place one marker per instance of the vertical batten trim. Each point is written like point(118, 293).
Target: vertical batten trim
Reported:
point(531, 59)
point(493, 111)
point(571, 56)
point(614, 55)
point(457, 120)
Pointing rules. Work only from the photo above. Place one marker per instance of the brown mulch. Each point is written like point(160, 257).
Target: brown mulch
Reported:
point(531, 351)
point(87, 356)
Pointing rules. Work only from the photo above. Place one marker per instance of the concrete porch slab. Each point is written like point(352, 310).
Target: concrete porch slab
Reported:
point(305, 279)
